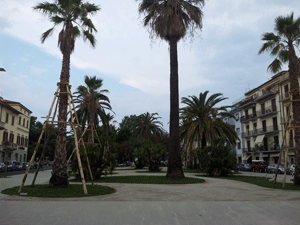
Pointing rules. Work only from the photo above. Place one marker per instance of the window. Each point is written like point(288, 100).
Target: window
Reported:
point(18, 139)
point(12, 120)
point(7, 117)
point(22, 141)
point(23, 122)
point(286, 91)
point(263, 110)
point(239, 145)
point(275, 126)
point(27, 123)
point(255, 128)
point(20, 158)
point(24, 160)
point(11, 138)
point(20, 119)
point(5, 136)
point(264, 126)
point(273, 105)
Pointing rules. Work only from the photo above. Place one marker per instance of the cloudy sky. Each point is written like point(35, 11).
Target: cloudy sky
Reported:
point(223, 57)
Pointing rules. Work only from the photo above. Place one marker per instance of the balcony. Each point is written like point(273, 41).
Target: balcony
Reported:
point(248, 102)
point(9, 146)
point(248, 118)
point(268, 111)
point(269, 129)
point(269, 92)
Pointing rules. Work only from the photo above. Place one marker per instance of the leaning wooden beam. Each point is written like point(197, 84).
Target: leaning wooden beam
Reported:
point(42, 157)
point(81, 138)
point(86, 156)
point(77, 148)
point(38, 144)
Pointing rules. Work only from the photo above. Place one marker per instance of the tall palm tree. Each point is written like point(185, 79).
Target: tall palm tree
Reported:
point(92, 103)
point(171, 20)
point(282, 45)
point(148, 126)
point(202, 121)
point(73, 16)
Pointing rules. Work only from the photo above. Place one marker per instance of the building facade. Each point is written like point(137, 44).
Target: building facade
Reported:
point(263, 116)
point(14, 131)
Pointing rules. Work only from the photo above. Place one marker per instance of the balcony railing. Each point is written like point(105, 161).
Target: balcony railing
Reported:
point(267, 93)
point(248, 117)
point(267, 111)
point(248, 101)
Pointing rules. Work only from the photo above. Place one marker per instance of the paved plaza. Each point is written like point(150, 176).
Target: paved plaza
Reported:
point(217, 201)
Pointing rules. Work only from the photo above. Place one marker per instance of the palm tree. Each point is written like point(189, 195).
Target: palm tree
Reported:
point(148, 126)
point(281, 45)
point(73, 15)
point(202, 122)
point(171, 20)
point(92, 104)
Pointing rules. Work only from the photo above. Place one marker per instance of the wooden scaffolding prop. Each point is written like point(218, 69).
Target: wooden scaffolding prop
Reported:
point(288, 127)
point(90, 127)
point(73, 123)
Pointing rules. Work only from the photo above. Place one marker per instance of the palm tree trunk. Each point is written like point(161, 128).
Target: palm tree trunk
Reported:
point(59, 168)
point(91, 121)
point(174, 164)
point(294, 71)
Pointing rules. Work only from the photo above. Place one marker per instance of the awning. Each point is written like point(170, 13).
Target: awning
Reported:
point(259, 139)
point(246, 157)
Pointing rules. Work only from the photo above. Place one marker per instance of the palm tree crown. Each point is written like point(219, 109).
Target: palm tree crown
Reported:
point(202, 120)
point(281, 44)
point(92, 103)
point(148, 125)
point(69, 12)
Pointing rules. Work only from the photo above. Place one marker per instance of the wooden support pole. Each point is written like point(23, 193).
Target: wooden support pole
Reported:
point(77, 148)
point(42, 157)
point(37, 145)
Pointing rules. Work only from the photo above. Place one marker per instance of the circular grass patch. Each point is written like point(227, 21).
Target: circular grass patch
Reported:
point(72, 190)
point(148, 180)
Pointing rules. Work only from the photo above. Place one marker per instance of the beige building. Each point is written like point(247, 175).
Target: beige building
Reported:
point(263, 115)
point(14, 130)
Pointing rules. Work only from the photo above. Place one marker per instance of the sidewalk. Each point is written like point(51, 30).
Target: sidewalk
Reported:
point(217, 201)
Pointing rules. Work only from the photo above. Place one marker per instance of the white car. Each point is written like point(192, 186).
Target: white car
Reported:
point(292, 168)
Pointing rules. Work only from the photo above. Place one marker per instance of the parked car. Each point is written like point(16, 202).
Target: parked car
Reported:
point(12, 166)
point(245, 167)
point(21, 166)
point(259, 166)
point(2, 167)
point(273, 167)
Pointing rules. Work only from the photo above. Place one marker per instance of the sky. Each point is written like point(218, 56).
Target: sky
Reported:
point(221, 58)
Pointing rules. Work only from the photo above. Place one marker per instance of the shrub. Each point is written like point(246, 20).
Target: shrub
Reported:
point(216, 159)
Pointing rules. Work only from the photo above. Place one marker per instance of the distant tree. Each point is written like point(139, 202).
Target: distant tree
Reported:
point(73, 15)
point(92, 103)
point(282, 45)
point(171, 21)
point(148, 126)
point(202, 122)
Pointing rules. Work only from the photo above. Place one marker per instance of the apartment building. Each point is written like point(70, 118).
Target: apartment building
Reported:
point(14, 130)
point(263, 115)
point(237, 125)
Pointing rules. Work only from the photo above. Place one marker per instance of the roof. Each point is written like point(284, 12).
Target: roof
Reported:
point(16, 103)
point(4, 104)
point(273, 78)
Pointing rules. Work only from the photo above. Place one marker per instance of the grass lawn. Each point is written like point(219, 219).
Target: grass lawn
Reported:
point(260, 181)
point(147, 180)
point(147, 171)
point(131, 169)
point(73, 190)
